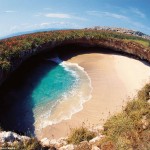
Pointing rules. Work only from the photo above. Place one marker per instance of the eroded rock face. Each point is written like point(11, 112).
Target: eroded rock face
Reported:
point(61, 144)
point(67, 147)
point(97, 138)
point(45, 142)
point(54, 143)
point(131, 48)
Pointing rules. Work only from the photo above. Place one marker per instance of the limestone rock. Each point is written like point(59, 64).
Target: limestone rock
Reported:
point(53, 142)
point(45, 142)
point(67, 147)
point(11, 137)
point(145, 122)
point(97, 138)
point(56, 143)
point(61, 142)
point(95, 148)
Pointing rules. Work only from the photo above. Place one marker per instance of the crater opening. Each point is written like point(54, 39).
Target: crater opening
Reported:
point(36, 94)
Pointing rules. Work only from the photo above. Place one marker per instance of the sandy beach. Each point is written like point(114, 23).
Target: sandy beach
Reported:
point(114, 78)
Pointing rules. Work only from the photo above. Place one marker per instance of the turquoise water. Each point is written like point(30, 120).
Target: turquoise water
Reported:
point(53, 85)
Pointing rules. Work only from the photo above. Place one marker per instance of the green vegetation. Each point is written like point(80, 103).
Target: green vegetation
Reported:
point(5, 64)
point(80, 134)
point(145, 43)
point(130, 129)
point(28, 145)
point(13, 48)
point(144, 94)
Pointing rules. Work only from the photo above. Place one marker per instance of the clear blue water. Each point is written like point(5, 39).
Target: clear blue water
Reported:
point(53, 85)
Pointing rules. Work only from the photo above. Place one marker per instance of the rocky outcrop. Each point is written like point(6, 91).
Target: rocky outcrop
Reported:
point(10, 138)
point(61, 144)
point(122, 30)
point(67, 147)
point(145, 122)
point(97, 138)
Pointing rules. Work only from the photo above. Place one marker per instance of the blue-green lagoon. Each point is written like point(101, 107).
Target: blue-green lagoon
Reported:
point(46, 94)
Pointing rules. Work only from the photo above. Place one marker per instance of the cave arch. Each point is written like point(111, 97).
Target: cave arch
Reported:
point(73, 46)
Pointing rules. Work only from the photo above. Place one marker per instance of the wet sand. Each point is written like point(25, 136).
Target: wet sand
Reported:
point(114, 78)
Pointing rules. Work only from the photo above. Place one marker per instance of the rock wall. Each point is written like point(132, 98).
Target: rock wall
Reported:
point(130, 48)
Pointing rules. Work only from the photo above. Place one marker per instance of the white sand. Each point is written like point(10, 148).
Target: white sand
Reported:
point(114, 78)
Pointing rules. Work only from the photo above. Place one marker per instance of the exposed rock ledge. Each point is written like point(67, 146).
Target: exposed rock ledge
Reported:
point(11, 139)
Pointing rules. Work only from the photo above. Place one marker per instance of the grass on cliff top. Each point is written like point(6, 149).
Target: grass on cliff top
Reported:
point(80, 134)
point(130, 129)
point(145, 43)
point(10, 48)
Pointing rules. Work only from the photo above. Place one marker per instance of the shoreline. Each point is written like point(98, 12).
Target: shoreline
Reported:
point(71, 101)
point(107, 81)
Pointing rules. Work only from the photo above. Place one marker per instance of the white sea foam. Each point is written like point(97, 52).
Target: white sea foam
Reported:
point(70, 103)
